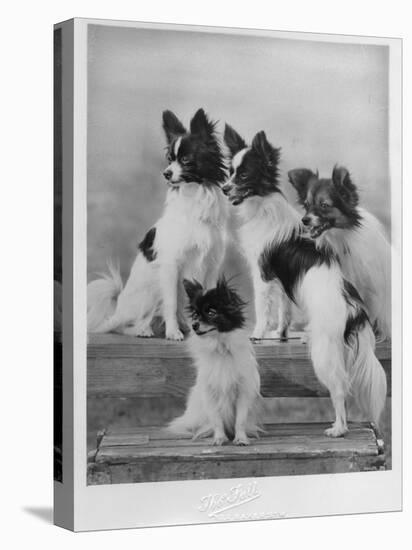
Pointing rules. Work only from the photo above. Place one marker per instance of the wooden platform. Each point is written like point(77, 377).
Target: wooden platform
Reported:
point(152, 454)
point(124, 366)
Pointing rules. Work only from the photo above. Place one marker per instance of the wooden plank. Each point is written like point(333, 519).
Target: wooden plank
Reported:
point(123, 366)
point(152, 454)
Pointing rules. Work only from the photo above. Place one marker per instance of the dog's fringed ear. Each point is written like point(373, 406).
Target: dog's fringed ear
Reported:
point(344, 185)
point(261, 145)
point(172, 126)
point(201, 125)
point(228, 294)
point(234, 142)
point(193, 289)
point(299, 178)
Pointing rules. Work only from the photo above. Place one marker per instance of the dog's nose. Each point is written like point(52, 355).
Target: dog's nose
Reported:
point(306, 220)
point(226, 188)
point(167, 173)
point(195, 326)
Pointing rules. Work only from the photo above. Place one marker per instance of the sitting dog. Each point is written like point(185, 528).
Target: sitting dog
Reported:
point(225, 401)
point(189, 239)
point(341, 337)
point(334, 219)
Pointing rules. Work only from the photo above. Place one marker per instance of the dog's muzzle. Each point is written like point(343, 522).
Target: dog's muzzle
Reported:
point(196, 329)
point(226, 188)
point(167, 174)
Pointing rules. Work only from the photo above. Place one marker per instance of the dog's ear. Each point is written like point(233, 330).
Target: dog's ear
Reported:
point(228, 295)
point(172, 126)
point(344, 185)
point(234, 142)
point(201, 125)
point(193, 289)
point(264, 149)
point(299, 178)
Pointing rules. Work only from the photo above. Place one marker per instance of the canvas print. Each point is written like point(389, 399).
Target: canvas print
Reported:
point(238, 256)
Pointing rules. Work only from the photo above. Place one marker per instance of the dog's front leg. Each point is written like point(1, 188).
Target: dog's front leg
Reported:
point(243, 404)
point(284, 315)
point(262, 305)
point(169, 277)
point(216, 422)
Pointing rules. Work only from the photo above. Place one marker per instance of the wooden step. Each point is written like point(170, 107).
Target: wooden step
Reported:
point(124, 366)
point(153, 454)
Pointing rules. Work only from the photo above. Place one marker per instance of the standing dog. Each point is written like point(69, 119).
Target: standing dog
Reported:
point(187, 241)
point(334, 220)
point(341, 338)
point(225, 400)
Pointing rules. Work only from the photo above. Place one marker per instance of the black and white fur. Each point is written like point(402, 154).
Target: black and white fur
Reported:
point(334, 219)
point(225, 401)
point(189, 240)
point(341, 338)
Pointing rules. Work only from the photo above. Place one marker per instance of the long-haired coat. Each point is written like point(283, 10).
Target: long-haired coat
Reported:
point(225, 401)
point(334, 219)
point(187, 241)
point(341, 337)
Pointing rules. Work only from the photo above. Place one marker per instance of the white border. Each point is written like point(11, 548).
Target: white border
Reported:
point(177, 503)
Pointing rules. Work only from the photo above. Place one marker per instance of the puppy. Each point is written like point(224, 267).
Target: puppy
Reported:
point(225, 400)
point(341, 338)
point(189, 239)
point(334, 219)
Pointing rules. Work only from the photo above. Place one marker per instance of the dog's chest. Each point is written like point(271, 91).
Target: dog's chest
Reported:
point(253, 237)
point(192, 225)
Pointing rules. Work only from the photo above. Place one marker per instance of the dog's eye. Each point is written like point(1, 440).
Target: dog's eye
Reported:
point(324, 205)
point(211, 312)
point(169, 157)
point(242, 176)
point(184, 160)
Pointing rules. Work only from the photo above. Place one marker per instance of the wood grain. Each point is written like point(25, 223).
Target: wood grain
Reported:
point(153, 454)
point(123, 366)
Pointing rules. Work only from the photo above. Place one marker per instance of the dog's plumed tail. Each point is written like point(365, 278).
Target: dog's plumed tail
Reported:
point(101, 299)
point(368, 379)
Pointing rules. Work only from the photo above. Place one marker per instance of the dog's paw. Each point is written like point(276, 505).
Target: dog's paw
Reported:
point(336, 431)
point(241, 440)
point(145, 333)
point(219, 440)
point(257, 335)
point(282, 335)
point(175, 334)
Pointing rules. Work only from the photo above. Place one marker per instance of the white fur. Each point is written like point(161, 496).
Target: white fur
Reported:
point(365, 255)
point(225, 397)
point(258, 230)
point(175, 166)
point(342, 369)
point(190, 243)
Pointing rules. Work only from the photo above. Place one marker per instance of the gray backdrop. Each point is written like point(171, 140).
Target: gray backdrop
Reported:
point(321, 102)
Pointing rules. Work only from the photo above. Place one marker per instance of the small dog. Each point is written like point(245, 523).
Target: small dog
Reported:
point(341, 338)
point(189, 240)
point(334, 219)
point(225, 400)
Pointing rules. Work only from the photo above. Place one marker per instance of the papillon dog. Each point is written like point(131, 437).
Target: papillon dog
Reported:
point(334, 219)
point(189, 240)
point(341, 339)
point(225, 401)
